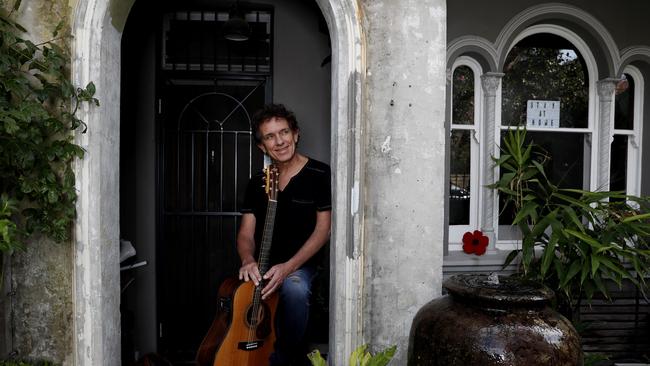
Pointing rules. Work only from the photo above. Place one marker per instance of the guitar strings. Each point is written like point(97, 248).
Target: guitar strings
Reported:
point(270, 188)
point(263, 264)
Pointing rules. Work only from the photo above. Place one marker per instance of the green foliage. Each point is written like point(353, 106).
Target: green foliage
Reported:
point(359, 357)
point(37, 116)
point(571, 239)
point(316, 358)
point(27, 363)
point(463, 96)
point(534, 71)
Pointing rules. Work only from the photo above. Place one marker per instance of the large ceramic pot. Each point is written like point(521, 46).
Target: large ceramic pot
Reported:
point(485, 323)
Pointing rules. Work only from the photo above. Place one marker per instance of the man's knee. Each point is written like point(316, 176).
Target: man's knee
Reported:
point(296, 288)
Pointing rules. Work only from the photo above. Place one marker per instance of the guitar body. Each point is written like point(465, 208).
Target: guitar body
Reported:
point(243, 332)
point(220, 324)
point(248, 344)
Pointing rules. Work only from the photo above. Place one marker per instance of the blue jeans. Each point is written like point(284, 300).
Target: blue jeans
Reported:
point(292, 316)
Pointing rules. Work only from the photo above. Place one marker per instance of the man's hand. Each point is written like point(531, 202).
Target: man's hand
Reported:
point(250, 272)
point(275, 276)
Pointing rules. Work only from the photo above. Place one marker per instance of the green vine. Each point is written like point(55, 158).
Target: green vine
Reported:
point(38, 104)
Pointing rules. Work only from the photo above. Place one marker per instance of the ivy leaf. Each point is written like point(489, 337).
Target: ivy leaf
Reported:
point(58, 28)
point(37, 112)
point(10, 125)
point(90, 88)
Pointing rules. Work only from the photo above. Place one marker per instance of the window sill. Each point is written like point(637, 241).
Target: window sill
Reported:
point(497, 257)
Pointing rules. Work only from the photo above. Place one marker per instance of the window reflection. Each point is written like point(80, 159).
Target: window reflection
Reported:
point(463, 96)
point(618, 165)
point(545, 67)
point(624, 109)
point(460, 168)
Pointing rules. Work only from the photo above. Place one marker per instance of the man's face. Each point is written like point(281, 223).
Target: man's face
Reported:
point(278, 140)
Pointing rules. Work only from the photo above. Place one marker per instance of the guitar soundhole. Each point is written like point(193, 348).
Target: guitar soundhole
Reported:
point(261, 322)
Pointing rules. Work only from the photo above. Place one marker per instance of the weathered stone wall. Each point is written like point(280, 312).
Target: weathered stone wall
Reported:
point(41, 280)
point(404, 161)
point(38, 308)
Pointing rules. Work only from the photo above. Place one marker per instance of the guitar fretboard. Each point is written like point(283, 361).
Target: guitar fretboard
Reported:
point(267, 237)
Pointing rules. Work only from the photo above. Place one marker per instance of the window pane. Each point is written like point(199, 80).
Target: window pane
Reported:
point(459, 185)
point(618, 165)
point(565, 167)
point(463, 96)
point(624, 110)
point(545, 67)
point(567, 152)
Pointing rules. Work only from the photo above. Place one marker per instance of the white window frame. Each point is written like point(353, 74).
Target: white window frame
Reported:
point(590, 132)
point(633, 169)
point(456, 232)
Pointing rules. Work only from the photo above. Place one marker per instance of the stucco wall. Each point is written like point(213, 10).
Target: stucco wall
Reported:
point(42, 305)
point(39, 306)
point(404, 158)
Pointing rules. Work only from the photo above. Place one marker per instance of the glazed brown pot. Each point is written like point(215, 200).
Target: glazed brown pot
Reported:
point(484, 323)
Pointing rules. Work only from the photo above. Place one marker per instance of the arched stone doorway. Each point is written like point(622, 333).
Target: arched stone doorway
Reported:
point(97, 26)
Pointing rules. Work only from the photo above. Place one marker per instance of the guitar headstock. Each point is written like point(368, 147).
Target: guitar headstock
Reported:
point(272, 175)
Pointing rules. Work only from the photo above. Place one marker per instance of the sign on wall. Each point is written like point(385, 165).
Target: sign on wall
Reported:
point(543, 113)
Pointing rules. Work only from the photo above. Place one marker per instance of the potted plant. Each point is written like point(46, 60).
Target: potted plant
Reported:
point(571, 239)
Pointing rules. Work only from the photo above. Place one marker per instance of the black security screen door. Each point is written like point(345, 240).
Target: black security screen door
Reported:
point(207, 95)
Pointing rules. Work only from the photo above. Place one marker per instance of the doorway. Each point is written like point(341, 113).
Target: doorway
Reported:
point(187, 152)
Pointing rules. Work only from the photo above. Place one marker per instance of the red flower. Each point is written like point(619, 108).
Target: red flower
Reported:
point(475, 242)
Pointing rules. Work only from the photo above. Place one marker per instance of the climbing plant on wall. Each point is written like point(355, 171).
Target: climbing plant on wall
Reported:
point(38, 104)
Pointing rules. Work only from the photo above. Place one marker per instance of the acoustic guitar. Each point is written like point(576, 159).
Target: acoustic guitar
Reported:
point(243, 332)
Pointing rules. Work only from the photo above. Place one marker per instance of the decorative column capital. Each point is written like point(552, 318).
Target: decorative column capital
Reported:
point(490, 82)
point(606, 88)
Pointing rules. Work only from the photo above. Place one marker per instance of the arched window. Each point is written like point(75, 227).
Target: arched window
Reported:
point(625, 163)
point(549, 86)
point(464, 149)
point(545, 88)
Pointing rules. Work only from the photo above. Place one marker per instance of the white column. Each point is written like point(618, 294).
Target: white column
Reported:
point(606, 89)
point(490, 82)
point(404, 162)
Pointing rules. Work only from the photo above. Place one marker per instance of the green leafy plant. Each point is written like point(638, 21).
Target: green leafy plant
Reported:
point(26, 363)
point(359, 357)
point(571, 239)
point(38, 104)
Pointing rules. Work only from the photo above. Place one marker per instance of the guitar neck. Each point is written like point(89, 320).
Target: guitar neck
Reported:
point(267, 237)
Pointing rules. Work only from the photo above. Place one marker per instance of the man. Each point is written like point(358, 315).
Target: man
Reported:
point(302, 227)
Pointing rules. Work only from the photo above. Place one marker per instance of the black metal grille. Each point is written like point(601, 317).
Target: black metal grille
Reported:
point(207, 156)
point(193, 41)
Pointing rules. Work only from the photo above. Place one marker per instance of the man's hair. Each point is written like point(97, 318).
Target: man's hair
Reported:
point(272, 111)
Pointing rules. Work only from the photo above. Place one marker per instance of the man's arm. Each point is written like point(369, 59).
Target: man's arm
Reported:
point(246, 249)
point(316, 240)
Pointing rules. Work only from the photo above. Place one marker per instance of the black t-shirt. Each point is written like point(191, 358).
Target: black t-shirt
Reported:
point(307, 192)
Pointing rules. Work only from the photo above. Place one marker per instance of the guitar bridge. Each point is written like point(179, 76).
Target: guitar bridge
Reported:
point(250, 346)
